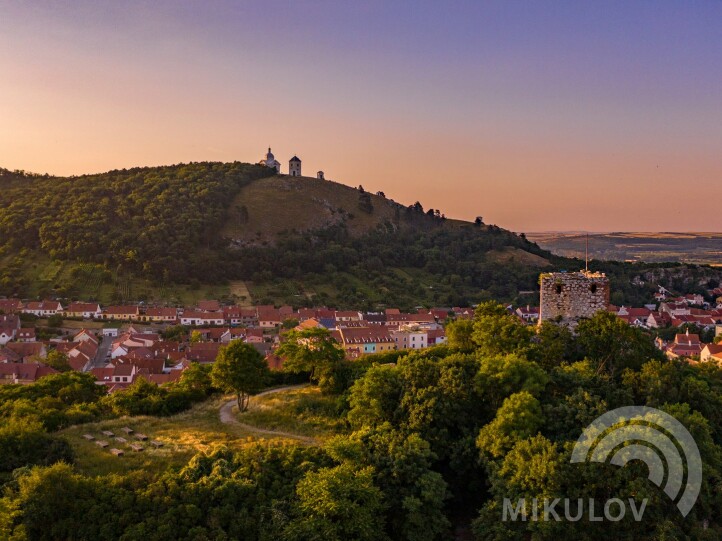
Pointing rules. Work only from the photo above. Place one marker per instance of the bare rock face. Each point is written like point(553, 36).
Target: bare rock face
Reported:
point(571, 296)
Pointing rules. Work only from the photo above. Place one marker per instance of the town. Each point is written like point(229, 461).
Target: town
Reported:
point(120, 343)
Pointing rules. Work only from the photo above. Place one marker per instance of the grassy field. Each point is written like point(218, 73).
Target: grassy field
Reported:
point(183, 435)
point(302, 411)
point(283, 203)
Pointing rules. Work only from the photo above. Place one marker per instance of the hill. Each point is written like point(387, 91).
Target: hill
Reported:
point(177, 233)
point(699, 248)
point(230, 231)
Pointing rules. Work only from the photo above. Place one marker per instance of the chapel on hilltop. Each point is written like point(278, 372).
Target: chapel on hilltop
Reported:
point(270, 161)
point(294, 165)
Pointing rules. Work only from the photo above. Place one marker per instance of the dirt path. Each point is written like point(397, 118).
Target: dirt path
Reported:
point(230, 418)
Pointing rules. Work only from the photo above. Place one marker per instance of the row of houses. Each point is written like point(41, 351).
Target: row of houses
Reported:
point(212, 313)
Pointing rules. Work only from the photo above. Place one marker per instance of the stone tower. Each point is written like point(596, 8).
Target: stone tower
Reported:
point(571, 296)
point(294, 167)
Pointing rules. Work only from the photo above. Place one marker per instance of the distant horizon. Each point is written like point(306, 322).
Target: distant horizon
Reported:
point(536, 116)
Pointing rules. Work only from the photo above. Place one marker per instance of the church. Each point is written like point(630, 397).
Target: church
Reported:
point(270, 161)
point(294, 165)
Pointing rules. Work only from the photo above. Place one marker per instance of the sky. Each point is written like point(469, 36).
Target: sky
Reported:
point(538, 116)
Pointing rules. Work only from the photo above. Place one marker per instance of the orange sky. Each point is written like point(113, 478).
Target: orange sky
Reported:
point(539, 133)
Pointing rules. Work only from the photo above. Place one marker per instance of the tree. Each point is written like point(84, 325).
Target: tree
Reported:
point(502, 376)
point(519, 417)
point(240, 369)
point(459, 334)
point(289, 323)
point(337, 504)
point(314, 351)
point(612, 345)
point(553, 344)
point(57, 360)
point(56, 320)
point(478, 221)
point(497, 332)
point(196, 337)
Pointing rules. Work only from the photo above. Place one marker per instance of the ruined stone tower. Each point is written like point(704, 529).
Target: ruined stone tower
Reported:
point(572, 295)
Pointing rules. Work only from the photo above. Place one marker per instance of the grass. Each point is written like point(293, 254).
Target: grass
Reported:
point(304, 412)
point(282, 203)
point(300, 411)
point(183, 435)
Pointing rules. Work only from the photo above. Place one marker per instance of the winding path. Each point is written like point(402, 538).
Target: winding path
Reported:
point(229, 418)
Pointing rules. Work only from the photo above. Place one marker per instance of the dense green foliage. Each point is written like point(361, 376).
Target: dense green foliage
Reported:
point(438, 439)
point(160, 222)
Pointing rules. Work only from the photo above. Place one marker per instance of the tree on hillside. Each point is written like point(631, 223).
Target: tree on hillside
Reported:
point(240, 369)
point(314, 351)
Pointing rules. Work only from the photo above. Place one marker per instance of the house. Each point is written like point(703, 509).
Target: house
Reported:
point(143, 365)
point(121, 313)
point(161, 379)
point(269, 317)
point(237, 316)
point(209, 306)
point(374, 318)
point(434, 337)
point(675, 308)
point(129, 341)
point(710, 352)
point(43, 308)
point(26, 335)
point(694, 298)
point(348, 315)
point(685, 345)
point(204, 352)
point(84, 310)
point(9, 356)
point(195, 318)
point(365, 340)
point(9, 327)
point(27, 350)
point(24, 373)
point(528, 313)
point(160, 315)
point(409, 337)
point(85, 336)
point(82, 355)
point(424, 320)
point(10, 306)
point(657, 320)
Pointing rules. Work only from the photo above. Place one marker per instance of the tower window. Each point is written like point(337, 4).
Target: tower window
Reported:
point(558, 288)
point(593, 288)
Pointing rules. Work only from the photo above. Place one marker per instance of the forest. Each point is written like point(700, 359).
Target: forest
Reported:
point(434, 440)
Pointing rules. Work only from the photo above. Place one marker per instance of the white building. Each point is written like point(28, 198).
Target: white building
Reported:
point(408, 337)
point(270, 161)
point(294, 167)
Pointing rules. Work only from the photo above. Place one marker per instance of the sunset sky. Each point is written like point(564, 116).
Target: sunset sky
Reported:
point(538, 116)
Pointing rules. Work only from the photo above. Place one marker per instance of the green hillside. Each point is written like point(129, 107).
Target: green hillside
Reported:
point(230, 231)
